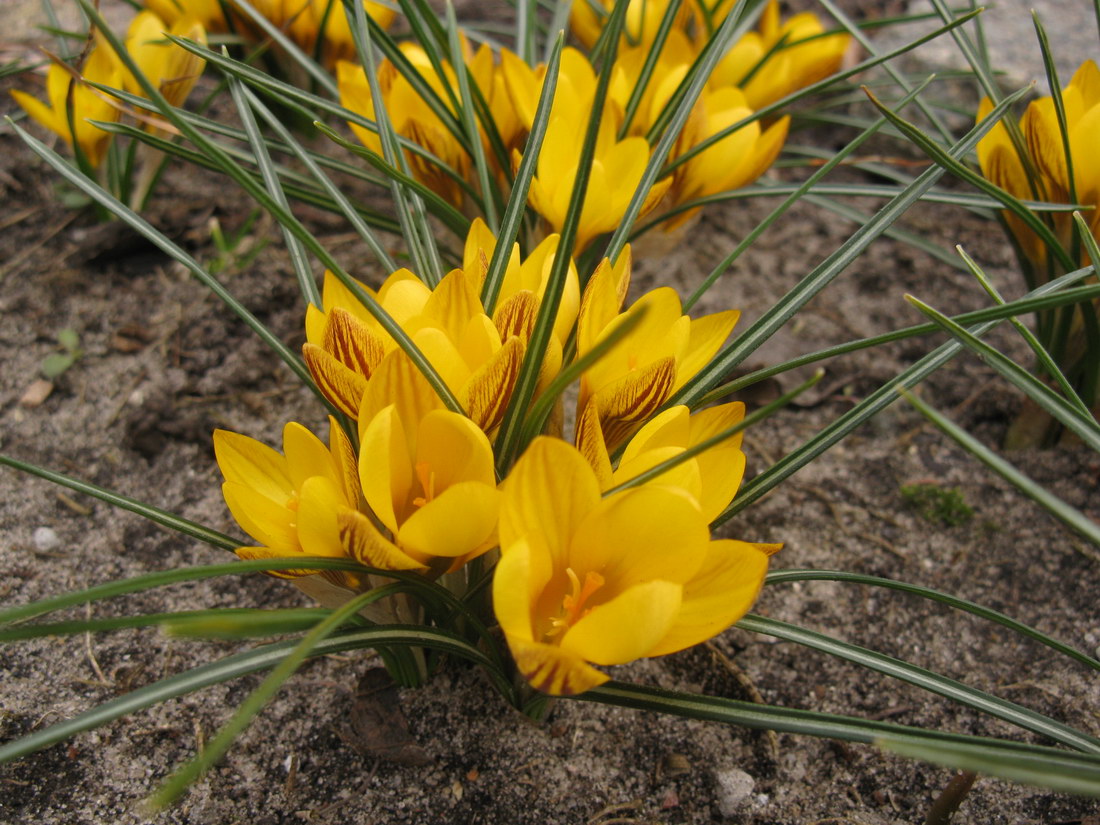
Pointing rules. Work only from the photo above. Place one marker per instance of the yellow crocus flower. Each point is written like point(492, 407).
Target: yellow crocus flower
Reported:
point(102, 66)
point(586, 580)
point(805, 58)
point(172, 69)
point(289, 502)
point(711, 478)
point(427, 476)
point(735, 161)
point(209, 13)
point(1002, 165)
point(410, 115)
point(651, 362)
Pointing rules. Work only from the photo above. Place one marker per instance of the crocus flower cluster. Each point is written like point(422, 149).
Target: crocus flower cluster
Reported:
point(593, 566)
point(758, 70)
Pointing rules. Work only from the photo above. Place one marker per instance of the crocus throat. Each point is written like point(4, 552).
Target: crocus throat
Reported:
point(426, 476)
point(573, 604)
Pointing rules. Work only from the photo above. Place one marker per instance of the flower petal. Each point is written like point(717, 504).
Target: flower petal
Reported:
point(552, 670)
point(460, 520)
point(626, 628)
point(720, 593)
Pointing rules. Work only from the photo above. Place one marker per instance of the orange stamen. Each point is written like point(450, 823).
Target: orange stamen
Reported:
point(426, 476)
point(573, 603)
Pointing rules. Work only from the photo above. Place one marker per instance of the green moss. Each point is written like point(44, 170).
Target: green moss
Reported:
point(938, 504)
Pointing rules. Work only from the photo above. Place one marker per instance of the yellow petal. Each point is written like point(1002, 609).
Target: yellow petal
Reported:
point(455, 449)
point(343, 386)
point(549, 491)
point(253, 464)
point(306, 455)
point(720, 593)
point(489, 390)
point(345, 461)
point(627, 627)
point(552, 670)
point(460, 520)
point(631, 400)
point(318, 532)
point(638, 535)
point(269, 523)
point(364, 543)
point(385, 467)
point(706, 338)
point(519, 577)
point(352, 342)
point(591, 444)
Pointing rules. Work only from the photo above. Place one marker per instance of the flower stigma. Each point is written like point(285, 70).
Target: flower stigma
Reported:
point(572, 604)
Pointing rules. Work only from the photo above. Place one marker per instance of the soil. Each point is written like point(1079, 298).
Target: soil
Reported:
point(164, 363)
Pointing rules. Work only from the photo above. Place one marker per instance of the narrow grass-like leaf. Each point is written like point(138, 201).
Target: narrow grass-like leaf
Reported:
point(439, 206)
point(924, 679)
point(508, 444)
point(242, 664)
point(895, 74)
point(832, 726)
point(256, 190)
point(796, 575)
point(950, 162)
point(298, 260)
point(864, 410)
point(544, 404)
point(668, 19)
point(787, 203)
point(468, 118)
point(1067, 514)
point(1084, 426)
point(101, 196)
point(1042, 357)
point(755, 417)
point(1009, 310)
point(515, 210)
point(339, 199)
point(288, 95)
point(1056, 774)
point(241, 622)
point(215, 748)
point(414, 226)
point(149, 581)
point(823, 274)
point(155, 514)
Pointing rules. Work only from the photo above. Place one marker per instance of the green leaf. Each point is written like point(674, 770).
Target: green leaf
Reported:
point(1067, 776)
point(796, 575)
point(55, 364)
point(926, 680)
point(846, 728)
point(823, 274)
point(508, 445)
point(241, 664)
point(515, 209)
point(748, 421)
point(1067, 514)
point(878, 400)
point(1084, 426)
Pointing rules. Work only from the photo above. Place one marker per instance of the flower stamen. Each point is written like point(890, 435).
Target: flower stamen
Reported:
point(426, 476)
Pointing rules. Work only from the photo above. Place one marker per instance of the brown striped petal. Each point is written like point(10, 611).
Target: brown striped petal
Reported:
point(342, 386)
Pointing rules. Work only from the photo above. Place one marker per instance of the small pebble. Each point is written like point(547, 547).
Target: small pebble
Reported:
point(734, 788)
point(45, 538)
